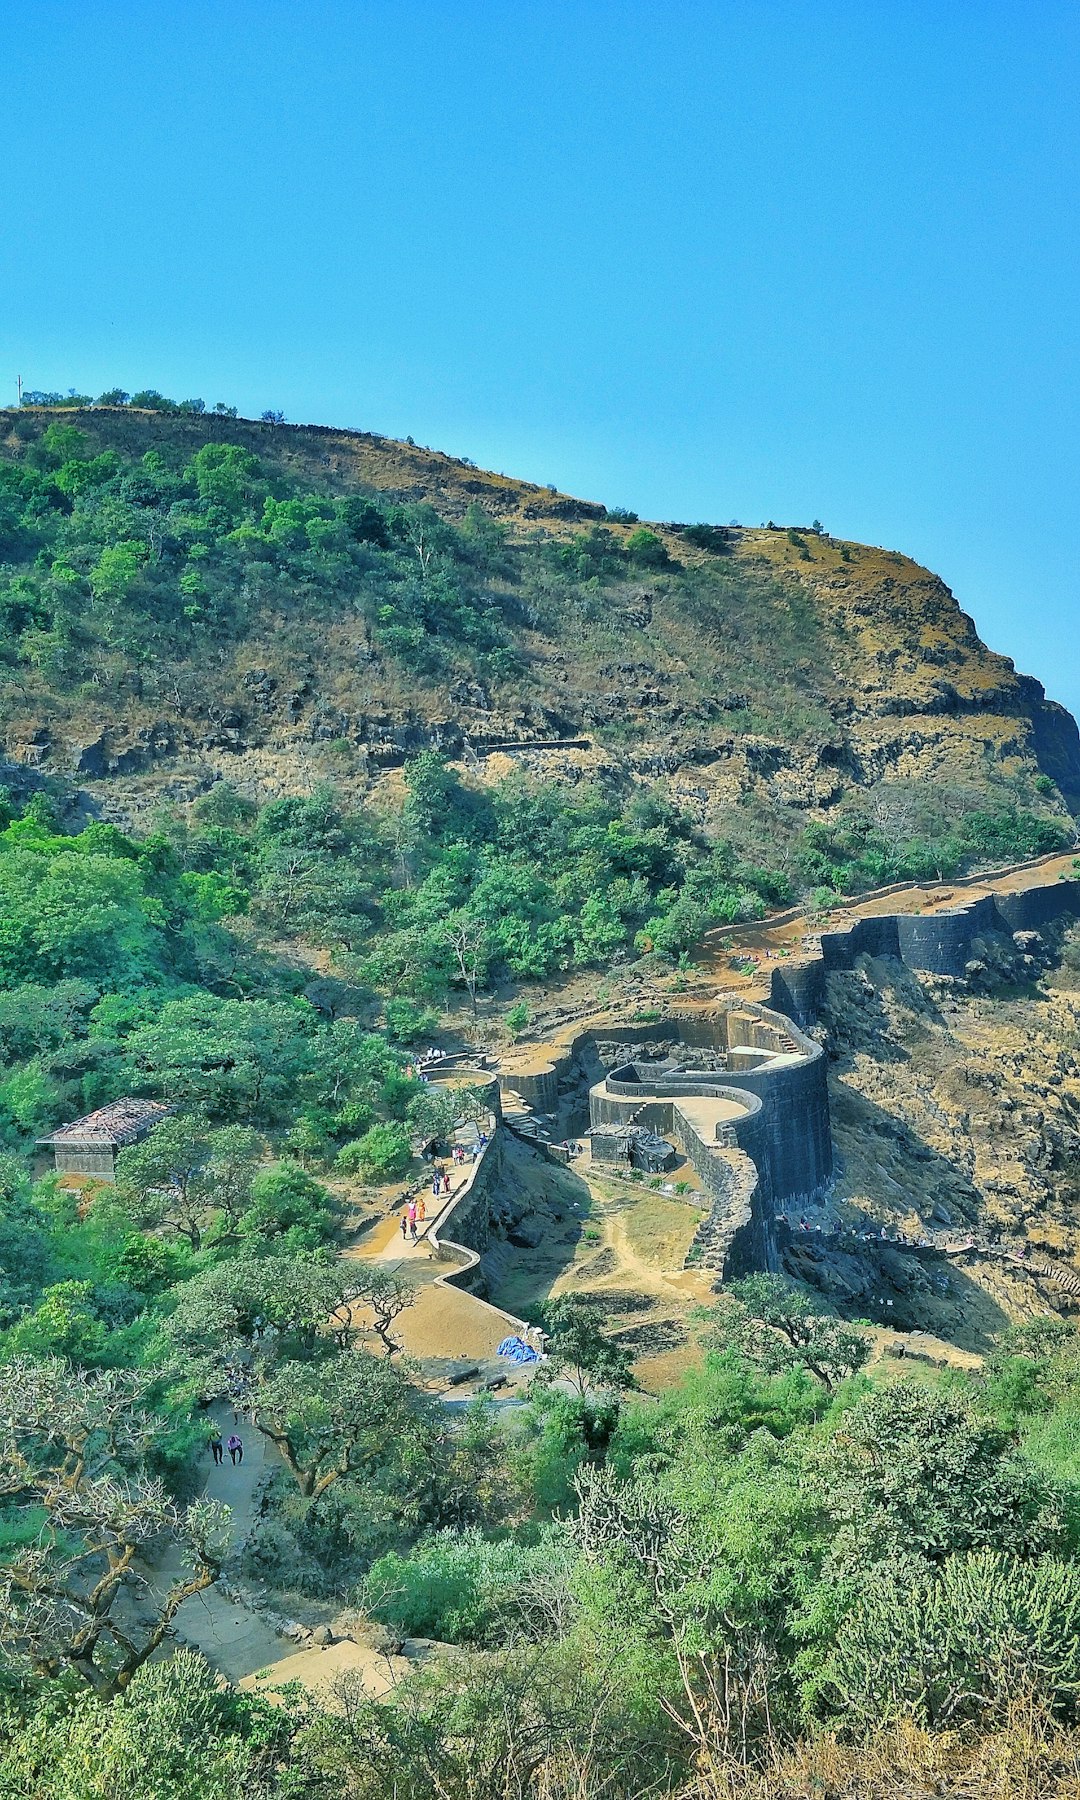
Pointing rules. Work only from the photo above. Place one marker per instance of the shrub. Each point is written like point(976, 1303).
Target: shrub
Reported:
point(644, 547)
point(965, 1642)
point(461, 1587)
point(518, 1018)
point(382, 1152)
point(289, 1205)
point(408, 1023)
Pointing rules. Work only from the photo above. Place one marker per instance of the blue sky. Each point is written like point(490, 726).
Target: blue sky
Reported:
point(710, 261)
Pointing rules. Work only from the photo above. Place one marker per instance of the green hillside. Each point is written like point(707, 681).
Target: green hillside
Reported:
point(320, 748)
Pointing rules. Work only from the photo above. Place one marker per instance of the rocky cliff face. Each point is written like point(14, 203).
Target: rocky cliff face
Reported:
point(770, 673)
point(956, 1104)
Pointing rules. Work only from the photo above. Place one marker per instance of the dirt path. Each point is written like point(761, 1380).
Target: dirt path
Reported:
point(444, 1320)
point(236, 1640)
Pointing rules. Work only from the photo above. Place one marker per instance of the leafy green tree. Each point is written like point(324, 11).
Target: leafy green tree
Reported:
point(289, 1205)
point(518, 1018)
point(163, 1179)
point(903, 1471)
point(644, 547)
point(383, 1151)
point(235, 1059)
point(175, 1730)
point(64, 1323)
point(26, 1256)
point(778, 1326)
point(252, 1310)
point(336, 1418)
point(408, 1023)
point(579, 1352)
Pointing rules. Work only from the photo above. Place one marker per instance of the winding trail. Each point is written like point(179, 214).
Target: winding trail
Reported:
point(444, 1321)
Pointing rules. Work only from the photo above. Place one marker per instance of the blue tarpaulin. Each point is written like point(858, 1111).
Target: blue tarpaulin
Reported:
point(517, 1350)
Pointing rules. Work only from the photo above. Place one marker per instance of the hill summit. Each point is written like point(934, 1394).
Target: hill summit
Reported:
point(188, 597)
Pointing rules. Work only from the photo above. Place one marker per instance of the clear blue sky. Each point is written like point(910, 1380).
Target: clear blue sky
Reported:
point(710, 261)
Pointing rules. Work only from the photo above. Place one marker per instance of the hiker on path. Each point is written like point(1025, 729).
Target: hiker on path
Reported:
point(421, 1209)
point(412, 1220)
point(216, 1448)
point(405, 1222)
point(235, 1448)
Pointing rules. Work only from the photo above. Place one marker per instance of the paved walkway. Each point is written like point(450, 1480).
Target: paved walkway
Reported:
point(236, 1640)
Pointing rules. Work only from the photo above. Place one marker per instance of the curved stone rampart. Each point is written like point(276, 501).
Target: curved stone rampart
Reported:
point(786, 1135)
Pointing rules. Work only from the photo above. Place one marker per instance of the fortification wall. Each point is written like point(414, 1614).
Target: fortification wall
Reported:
point(736, 1234)
point(938, 943)
point(794, 1095)
point(786, 1137)
point(469, 1221)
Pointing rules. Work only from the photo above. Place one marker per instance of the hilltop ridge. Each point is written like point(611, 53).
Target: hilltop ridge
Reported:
point(766, 675)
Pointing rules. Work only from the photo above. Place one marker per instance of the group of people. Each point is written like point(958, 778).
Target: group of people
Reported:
point(233, 1444)
point(427, 1059)
point(414, 1213)
point(866, 1237)
point(463, 1153)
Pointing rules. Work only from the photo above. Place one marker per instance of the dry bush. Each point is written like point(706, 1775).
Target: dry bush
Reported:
point(1030, 1758)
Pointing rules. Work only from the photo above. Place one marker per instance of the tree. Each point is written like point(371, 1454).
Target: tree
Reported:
point(177, 1730)
point(163, 1178)
point(467, 938)
point(64, 1323)
point(579, 1352)
point(518, 1018)
point(912, 1473)
point(184, 1171)
point(251, 1311)
point(383, 1151)
point(386, 1295)
point(288, 1203)
point(779, 1327)
point(336, 1418)
point(229, 1174)
point(72, 1471)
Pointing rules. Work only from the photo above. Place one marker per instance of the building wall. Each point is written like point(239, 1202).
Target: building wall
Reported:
point(96, 1163)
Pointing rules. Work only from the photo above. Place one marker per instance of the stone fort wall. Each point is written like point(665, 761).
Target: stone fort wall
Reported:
point(778, 1152)
point(940, 943)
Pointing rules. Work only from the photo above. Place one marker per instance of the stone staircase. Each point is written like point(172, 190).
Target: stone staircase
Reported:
point(712, 1239)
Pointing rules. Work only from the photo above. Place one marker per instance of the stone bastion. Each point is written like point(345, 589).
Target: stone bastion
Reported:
point(752, 1117)
point(935, 943)
point(739, 1086)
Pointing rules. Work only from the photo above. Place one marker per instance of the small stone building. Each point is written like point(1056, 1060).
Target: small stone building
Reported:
point(633, 1146)
point(88, 1147)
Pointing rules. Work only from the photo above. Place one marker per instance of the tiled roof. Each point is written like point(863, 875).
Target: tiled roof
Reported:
point(124, 1122)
